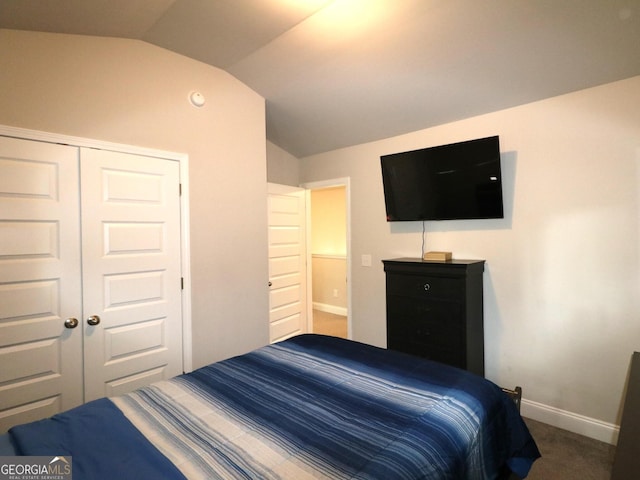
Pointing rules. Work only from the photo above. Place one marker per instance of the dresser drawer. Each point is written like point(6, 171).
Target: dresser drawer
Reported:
point(425, 286)
point(401, 309)
point(437, 330)
point(455, 358)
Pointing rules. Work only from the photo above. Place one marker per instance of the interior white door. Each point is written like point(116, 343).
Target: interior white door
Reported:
point(131, 271)
point(40, 287)
point(287, 262)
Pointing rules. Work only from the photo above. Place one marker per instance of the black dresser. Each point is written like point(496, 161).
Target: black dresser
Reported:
point(434, 310)
point(627, 461)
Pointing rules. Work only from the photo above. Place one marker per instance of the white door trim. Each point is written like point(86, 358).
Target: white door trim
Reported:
point(183, 160)
point(335, 182)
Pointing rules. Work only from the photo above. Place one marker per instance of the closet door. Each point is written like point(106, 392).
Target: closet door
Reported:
point(40, 286)
point(131, 271)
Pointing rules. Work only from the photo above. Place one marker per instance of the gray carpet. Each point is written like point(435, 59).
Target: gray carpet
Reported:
point(568, 456)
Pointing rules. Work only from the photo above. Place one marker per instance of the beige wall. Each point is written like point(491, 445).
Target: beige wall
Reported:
point(329, 284)
point(329, 249)
point(562, 273)
point(329, 221)
point(282, 167)
point(130, 92)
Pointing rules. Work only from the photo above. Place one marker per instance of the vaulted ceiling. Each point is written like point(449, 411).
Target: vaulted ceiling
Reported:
point(342, 72)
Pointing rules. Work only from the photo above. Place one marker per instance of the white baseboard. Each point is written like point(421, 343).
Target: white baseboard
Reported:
point(325, 307)
point(589, 427)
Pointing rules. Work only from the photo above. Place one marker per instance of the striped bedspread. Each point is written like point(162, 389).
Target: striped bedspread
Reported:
point(319, 407)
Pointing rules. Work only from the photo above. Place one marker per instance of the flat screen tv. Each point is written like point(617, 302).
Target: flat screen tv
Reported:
point(448, 182)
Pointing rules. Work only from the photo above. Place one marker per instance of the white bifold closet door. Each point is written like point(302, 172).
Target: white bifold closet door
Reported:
point(90, 276)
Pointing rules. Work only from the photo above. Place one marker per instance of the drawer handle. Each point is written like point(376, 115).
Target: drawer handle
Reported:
point(426, 287)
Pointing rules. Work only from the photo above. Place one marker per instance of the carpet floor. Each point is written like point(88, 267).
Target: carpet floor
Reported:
point(329, 324)
point(569, 456)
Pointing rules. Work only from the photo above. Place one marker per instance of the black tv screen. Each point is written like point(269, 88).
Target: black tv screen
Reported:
point(448, 182)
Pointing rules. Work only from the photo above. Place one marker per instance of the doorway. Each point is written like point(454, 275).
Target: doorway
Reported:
point(328, 247)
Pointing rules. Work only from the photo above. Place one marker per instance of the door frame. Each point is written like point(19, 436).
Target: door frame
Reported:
point(185, 255)
point(335, 182)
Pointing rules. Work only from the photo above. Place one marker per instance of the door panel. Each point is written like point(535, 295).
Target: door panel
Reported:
point(287, 294)
point(40, 359)
point(131, 262)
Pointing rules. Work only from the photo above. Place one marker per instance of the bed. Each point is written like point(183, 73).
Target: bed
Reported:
point(309, 407)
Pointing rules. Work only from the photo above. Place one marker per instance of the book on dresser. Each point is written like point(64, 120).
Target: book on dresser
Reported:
point(435, 310)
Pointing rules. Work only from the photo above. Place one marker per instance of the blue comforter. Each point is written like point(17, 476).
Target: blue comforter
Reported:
point(308, 407)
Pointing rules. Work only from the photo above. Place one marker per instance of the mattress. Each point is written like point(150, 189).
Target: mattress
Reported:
point(308, 407)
